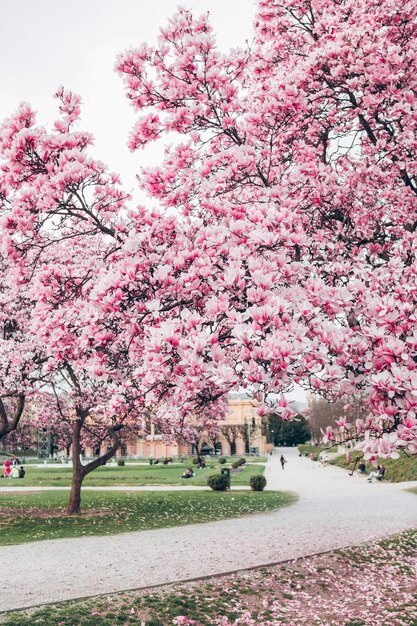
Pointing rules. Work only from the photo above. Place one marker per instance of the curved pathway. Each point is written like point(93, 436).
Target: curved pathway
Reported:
point(334, 510)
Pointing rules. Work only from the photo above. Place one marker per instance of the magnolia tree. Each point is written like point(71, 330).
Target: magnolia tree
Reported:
point(66, 227)
point(291, 253)
point(202, 423)
point(21, 354)
point(20, 440)
point(58, 206)
point(62, 224)
point(52, 414)
point(294, 176)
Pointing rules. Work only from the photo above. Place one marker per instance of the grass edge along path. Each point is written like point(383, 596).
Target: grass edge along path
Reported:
point(130, 475)
point(399, 470)
point(368, 585)
point(41, 515)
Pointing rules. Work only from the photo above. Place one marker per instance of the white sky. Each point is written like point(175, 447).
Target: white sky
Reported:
point(48, 43)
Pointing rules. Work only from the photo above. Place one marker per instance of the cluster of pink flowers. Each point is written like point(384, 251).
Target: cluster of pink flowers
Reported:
point(291, 257)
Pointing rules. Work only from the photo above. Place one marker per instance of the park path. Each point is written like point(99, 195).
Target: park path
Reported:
point(334, 510)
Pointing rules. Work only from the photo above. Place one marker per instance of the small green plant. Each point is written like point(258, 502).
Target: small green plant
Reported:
point(195, 460)
point(235, 464)
point(222, 460)
point(242, 461)
point(120, 462)
point(257, 482)
point(218, 482)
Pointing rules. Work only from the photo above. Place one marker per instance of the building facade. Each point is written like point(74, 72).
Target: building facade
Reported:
point(239, 433)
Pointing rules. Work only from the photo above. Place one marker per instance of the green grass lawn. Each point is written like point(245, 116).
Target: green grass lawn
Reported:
point(145, 461)
point(113, 475)
point(397, 470)
point(306, 448)
point(38, 516)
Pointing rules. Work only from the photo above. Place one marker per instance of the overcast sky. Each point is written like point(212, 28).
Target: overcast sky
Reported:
point(48, 43)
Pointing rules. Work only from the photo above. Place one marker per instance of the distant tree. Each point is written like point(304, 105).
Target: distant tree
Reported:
point(287, 433)
point(270, 425)
point(21, 439)
point(214, 438)
point(326, 414)
point(248, 431)
point(322, 415)
point(231, 433)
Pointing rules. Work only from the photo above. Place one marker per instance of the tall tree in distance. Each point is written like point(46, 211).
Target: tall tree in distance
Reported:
point(248, 431)
point(281, 432)
point(231, 433)
point(350, 413)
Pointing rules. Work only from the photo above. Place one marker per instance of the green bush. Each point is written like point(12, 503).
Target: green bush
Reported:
point(222, 460)
point(238, 462)
point(120, 462)
point(218, 482)
point(257, 482)
point(194, 461)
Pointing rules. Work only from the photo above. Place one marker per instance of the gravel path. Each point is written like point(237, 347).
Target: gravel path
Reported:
point(334, 510)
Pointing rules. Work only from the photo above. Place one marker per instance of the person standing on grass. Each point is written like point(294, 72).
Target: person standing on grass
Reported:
point(6, 468)
point(282, 461)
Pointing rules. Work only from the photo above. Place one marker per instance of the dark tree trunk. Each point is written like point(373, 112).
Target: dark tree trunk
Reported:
point(74, 504)
point(8, 424)
point(80, 471)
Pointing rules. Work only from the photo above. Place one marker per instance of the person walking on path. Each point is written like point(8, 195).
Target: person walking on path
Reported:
point(282, 461)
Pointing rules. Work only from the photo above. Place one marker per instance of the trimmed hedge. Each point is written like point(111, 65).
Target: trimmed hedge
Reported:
point(257, 482)
point(120, 462)
point(218, 482)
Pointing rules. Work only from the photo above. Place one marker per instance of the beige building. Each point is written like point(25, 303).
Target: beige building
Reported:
point(239, 433)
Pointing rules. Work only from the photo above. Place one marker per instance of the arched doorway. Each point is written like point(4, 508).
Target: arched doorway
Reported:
point(206, 449)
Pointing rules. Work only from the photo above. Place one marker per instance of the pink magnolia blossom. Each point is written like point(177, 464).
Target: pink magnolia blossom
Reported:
point(269, 259)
